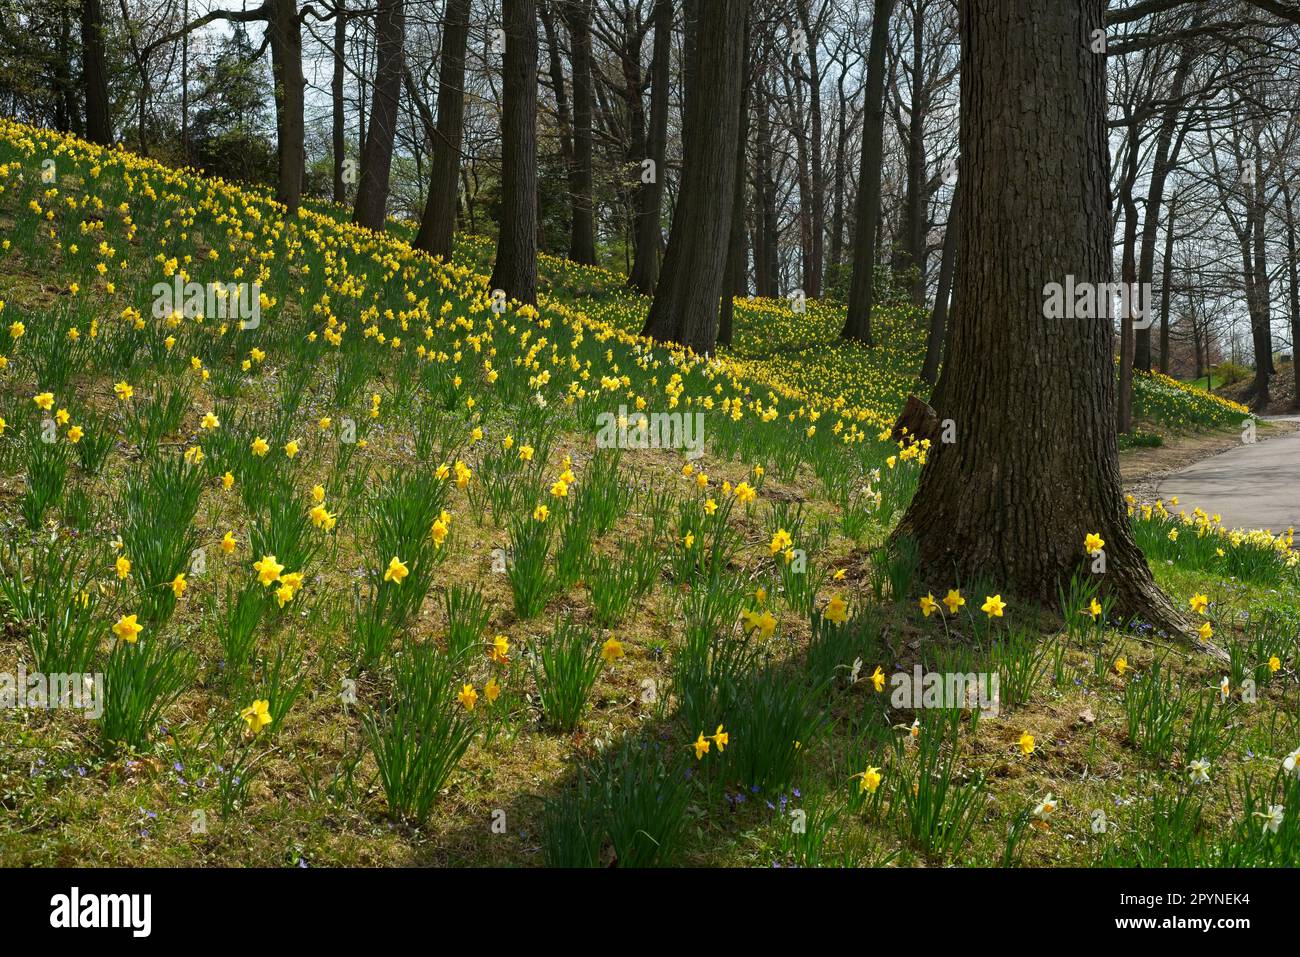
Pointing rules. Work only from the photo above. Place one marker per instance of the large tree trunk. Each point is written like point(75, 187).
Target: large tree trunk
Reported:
point(438, 224)
point(650, 191)
point(99, 117)
point(515, 271)
point(861, 289)
point(286, 70)
point(685, 305)
point(582, 236)
point(1035, 465)
point(377, 160)
point(339, 123)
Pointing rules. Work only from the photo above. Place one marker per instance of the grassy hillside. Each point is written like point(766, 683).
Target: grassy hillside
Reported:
point(365, 584)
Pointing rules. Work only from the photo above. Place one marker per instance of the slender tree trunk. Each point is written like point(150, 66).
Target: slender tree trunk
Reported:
point(1128, 275)
point(438, 224)
point(841, 164)
point(1166, 285)
point(339, 127)
point(861, 290)
point(582, 237)
point(737, 282)
point(376, 162)
point(515, 271)
point(286, 69)
point(914, 205)
point(1035, 464)
point(99, 115)
point(817, 246)
point(939, 315)
point(685, 304)
point(649, 193)
point(1293, 275)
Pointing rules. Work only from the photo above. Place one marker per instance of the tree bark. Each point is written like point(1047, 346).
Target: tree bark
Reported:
point(685, 304)
point(515, 271)
point(1035, 466)
point(99, 115)
point(438, 224)
point(376, 163)
point(861, 289)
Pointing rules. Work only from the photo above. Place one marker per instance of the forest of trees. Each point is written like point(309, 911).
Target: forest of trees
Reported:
point(954, 155)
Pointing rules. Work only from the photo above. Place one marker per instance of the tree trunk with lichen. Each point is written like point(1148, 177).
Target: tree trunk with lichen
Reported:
point(1035, 464)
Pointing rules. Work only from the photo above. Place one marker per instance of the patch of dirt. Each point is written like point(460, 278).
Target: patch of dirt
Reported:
point(1281, 391)
point(1142, 469)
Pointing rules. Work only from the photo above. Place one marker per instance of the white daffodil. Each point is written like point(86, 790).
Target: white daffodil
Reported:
point(1045, 807)
point(1273, 819)
point(1291, 763)
point(1199, 771)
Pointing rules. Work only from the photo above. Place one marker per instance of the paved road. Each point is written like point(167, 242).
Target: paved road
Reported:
point(1255, 486)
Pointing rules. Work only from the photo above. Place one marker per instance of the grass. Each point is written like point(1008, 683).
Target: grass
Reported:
point(381, 520)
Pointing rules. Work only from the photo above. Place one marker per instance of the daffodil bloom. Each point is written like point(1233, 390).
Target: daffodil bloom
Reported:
point(260, 446)
point(953, 601)
point(611, 650)
point(1274, 664)
point(1121, 665)
point(838, 610)
point(491, 690)
point(123, 566)
point(228, 543)
point(878, 679)
point(127, 629)
point(1045, 807)
point(75, 434)
point(467, 697)
point(124, 391)
point(397, 571)
point(318, 493)
point(1092, 542)
point(44, 401)
point(500, 651)
point(291, 448)
point(1291, 763)
point(1205, 631)
point(869, 780)
point(268, 570)
point(1199, 771)
point(228, 481)
point(541, 513)
point(928, 605)
point(210, 421)
point(1026, 744)
point(701, 746)
point(1094, 608)
point(257, 715)
point(993, 606)
point(1272, 818)
point(179, 584)
point(1199, 603)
